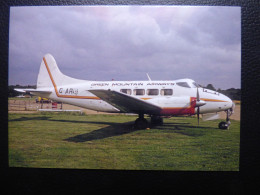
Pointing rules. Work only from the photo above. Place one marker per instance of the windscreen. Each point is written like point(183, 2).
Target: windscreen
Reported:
point(183, 84)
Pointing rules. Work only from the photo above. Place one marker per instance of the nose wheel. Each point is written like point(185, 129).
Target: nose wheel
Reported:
point(225, 125)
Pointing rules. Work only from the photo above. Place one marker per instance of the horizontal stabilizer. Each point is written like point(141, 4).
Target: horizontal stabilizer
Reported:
point(32, 90)
point(126, 103)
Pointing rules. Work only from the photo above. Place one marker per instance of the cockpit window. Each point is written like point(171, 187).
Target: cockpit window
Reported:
point(183, 84)
point(195, 85)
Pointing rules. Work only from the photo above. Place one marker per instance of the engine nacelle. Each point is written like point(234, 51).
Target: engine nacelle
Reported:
point(176, 105)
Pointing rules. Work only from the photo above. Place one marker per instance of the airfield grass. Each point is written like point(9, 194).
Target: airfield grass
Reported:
point(62, 140)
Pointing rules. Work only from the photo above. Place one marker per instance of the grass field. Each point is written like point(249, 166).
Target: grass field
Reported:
point(109, 142)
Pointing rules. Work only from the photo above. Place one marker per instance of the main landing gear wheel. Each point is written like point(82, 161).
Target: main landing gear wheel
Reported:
point(156, 120)
point(141, 122)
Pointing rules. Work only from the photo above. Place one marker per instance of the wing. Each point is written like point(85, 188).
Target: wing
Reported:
point(126, 103)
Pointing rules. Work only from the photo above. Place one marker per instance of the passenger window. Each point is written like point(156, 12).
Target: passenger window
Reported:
point(139, 92)
point(183, 84)
point(126, 91)
point(152, 91)
point(166, 92)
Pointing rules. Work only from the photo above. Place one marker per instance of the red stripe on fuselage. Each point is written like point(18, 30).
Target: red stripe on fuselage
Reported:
point(180, 111)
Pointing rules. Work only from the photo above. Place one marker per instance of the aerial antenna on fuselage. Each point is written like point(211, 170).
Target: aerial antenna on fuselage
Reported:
point(148, 77)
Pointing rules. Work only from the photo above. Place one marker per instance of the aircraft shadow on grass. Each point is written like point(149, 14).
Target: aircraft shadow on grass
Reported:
point(117, 129)
point(114, 129)
point(30, 118)
point(186, 129)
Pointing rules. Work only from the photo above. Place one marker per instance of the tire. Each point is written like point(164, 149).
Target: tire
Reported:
point(156, 120)
point(141, 123)
point(223, 125)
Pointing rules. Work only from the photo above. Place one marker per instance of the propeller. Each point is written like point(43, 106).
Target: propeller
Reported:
point(198, 109)
point(198, 104)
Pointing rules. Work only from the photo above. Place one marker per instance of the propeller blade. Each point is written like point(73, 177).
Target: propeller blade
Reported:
point(198, 101)
point(198, 115)
point(198, 95)
point(198, 109)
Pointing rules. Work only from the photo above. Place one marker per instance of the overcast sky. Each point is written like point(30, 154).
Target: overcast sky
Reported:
point(126, 42)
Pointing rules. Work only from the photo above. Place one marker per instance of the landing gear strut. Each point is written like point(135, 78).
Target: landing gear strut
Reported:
point(225, 125)
point(141, 122)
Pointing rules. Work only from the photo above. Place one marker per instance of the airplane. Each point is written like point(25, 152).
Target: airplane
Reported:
point(157, 99)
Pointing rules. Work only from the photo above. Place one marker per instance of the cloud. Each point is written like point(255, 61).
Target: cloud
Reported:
point(125, 42)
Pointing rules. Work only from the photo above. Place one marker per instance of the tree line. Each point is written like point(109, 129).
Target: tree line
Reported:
point(232, 93)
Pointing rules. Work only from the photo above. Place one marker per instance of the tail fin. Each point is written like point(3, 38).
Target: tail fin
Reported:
point(50, 75)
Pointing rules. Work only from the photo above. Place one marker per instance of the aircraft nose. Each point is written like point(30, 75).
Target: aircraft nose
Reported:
point(228, 103)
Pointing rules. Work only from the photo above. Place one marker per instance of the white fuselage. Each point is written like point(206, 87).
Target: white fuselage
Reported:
point(176, 94)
